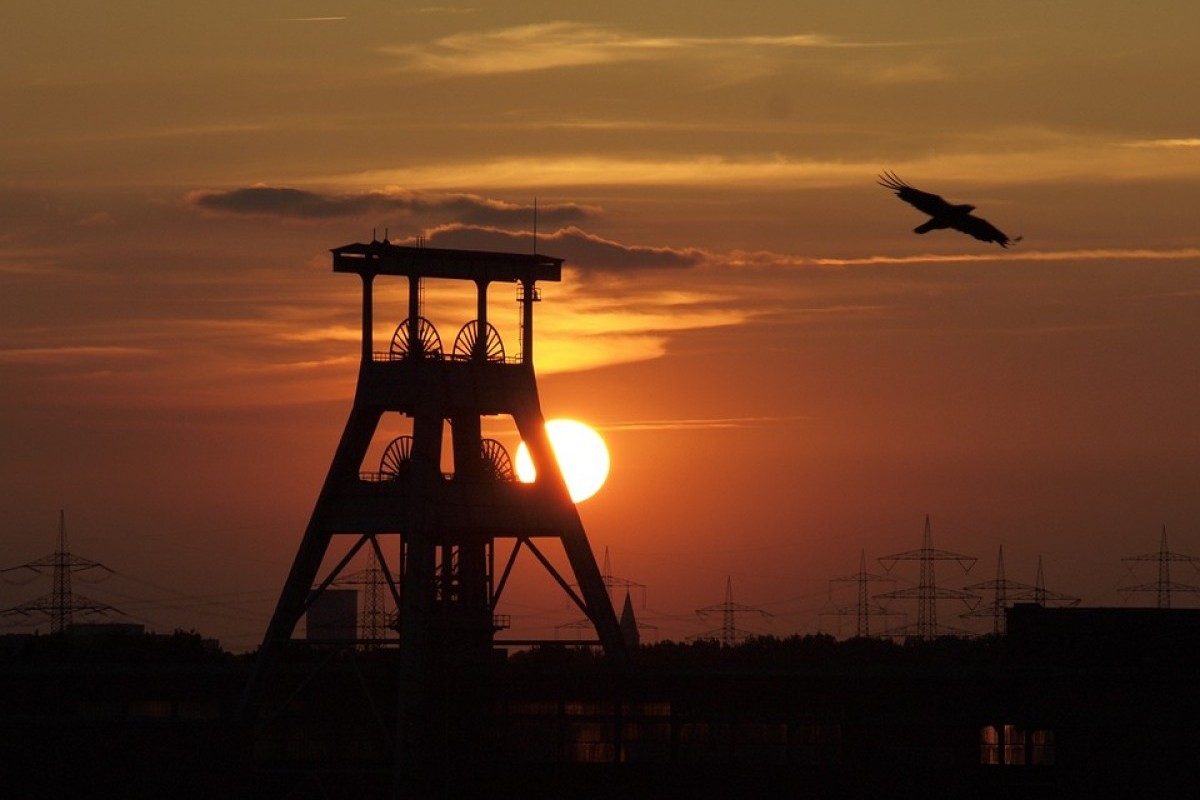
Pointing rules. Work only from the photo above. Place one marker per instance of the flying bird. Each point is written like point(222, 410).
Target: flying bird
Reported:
point(945, 215)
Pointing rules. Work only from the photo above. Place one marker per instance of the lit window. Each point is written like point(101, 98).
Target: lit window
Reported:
point(1013, 745)
point(989, 745)
point(1041, 747)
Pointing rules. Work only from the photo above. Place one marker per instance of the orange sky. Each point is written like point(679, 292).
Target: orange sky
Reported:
point(786, 375)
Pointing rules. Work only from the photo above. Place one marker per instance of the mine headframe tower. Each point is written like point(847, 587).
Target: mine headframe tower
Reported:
point(447, 588)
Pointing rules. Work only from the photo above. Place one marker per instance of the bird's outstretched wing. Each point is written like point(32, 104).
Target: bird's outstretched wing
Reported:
point(931, 204)
point(983, 230)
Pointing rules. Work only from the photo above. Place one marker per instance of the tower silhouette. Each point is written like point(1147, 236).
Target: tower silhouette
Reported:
point(1164, 586)
point(1043, 597)
point(447, 524)
point(1005, 591)
point(1002, 589)
point(863, 608)
point(611, 583)
point(62, 603)
point(927, 592)
point(728, 634)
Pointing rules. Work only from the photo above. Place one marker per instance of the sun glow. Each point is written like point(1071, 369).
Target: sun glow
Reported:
point(581, 454)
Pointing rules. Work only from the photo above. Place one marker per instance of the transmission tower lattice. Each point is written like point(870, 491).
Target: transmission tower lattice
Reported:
point(1002, 589)
point(863, 609)
point(1043, 597)
point(62, 603)
point(728, 634)
point(927, 593)
point(1164, 586)
point(374, 618)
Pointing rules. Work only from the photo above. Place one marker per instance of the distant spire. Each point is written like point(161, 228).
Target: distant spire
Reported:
point(628, 624)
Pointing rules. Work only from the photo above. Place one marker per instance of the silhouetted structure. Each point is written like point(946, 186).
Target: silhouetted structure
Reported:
point(863, 609)
point(374, 619)
point(612, 582)
point(1164, 586)
point(629, 624)
point(333, 617)
point(927, 593)
point(1006, 592)
point(447, 523)
point(1044, 597)
point(1001, 588)
point(728, 634)
point(62, 603)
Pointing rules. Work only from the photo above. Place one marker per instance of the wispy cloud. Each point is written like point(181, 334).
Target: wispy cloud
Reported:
point(53, 355)
point(581, 249)
point(699, 424)
point(554, 45)
point(1008, 255)
point(438, 10)
point(293, 203)
point(986, 157)
point(1167, 144)
point(548, 171)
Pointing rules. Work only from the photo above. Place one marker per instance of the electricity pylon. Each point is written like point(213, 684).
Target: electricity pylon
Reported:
point(863, 609)
point(1164, 586)
point(927, 593)
point(62, 603)
point(1043, 597)
point(1002, 589)
point(728, 634)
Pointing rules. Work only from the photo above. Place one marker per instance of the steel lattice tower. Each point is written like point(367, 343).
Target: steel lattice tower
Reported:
point(1164, 586)
point(373, 616)
point(1006, 591)
point(1043, 597)
point(62, 603)
point(728, 634)
point(927, 592)
point(447, 524)
point(863, 609)
point(1002, 589)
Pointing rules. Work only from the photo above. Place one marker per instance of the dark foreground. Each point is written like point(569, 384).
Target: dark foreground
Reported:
point(1073, 703)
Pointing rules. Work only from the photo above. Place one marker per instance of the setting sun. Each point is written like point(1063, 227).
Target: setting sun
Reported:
point(581, 453)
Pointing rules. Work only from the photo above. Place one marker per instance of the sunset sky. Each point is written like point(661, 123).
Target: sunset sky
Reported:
point(785, 374)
